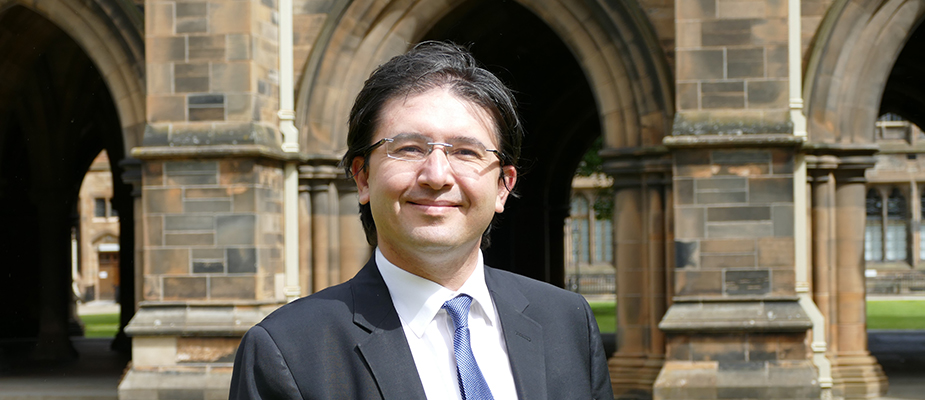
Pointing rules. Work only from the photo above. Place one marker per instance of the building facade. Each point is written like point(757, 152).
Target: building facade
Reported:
point(96, 239)
point(741, 138)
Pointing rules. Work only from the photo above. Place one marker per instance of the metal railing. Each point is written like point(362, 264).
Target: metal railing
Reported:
point(592, 283)
point(906, 283)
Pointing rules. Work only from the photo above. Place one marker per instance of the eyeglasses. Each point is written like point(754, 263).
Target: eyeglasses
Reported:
point(465, 155)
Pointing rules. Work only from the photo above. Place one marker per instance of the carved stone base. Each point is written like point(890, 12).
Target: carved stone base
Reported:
point(633, 377)
point(751, 380)
point(201, 382)
point(858, 377)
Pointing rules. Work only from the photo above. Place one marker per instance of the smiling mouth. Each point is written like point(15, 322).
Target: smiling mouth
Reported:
point(434, 204)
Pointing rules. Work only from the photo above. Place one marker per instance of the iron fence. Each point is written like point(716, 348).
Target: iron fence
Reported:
point(896, 283)
point(592, 283)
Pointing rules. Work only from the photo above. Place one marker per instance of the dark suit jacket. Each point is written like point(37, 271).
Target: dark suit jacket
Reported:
point(347, 342)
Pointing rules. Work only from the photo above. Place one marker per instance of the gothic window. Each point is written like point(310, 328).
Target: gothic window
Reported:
point(99, 207)
point(581, 244)
point(896, 226)
point(886, 236)
point(603, 241)
point(922, 229)
point(873, 231)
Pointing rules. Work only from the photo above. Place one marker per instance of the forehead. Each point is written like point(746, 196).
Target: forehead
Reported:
point(437, 113)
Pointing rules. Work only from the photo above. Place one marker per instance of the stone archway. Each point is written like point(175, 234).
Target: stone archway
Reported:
point(846, 90)
point(69, 92)
point(618, 54)
point(627, 99)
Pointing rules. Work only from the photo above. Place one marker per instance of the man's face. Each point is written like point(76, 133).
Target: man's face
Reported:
point(432, 205)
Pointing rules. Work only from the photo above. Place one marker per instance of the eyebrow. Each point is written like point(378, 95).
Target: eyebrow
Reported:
point(457, 139)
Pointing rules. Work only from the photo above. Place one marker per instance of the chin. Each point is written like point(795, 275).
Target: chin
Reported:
point(440, 240)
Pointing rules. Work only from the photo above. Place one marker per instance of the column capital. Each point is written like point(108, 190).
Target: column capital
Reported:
point(842, 157)
point(131, 174)
point(632, 166)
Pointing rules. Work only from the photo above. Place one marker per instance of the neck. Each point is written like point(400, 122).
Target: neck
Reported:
point(449, 268)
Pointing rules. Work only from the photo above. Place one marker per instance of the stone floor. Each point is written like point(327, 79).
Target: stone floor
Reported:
point(96, 373)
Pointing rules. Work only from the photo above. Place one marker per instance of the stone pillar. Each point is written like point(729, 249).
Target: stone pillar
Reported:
point(856, 374)
point(735, 329)
point(640, 260)
point(306, 274)
point(354, 250)
point(339, 247)
point(53, 264)
point(131, 248)
point(321, 232)
point(823, 263)
point(212, 194)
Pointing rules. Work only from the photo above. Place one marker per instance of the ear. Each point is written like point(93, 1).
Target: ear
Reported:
point(361, 177)
point(505, 184)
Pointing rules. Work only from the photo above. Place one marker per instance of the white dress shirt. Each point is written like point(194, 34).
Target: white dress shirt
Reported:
point(429, 330)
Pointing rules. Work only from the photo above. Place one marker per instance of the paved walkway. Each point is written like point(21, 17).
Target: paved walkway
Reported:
point(96, 374)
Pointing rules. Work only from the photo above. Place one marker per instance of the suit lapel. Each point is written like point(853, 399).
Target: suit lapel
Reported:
point(386, 350)
point(523, 336)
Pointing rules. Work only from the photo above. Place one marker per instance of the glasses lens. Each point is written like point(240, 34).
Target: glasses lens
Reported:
point(408, 149)
point(465, 156)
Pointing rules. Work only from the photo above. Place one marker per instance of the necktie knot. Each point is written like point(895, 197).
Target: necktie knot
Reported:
point(458, 308)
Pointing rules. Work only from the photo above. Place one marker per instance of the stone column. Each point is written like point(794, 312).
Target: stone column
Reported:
point(305, 239)
point(53, 341)
point(337, 240)
point(212, 194)
point(131, 248)
point(640, 261)
point(321, 234)
point(856, 374)
point(354, 251)
point(823, 263)
point(735, 329)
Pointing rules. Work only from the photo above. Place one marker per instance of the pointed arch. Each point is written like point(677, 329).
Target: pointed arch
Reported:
point(111, 34)
point(613, 43)
point(844, 82)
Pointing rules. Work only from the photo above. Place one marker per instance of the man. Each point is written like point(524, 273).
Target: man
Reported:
point(433, 141)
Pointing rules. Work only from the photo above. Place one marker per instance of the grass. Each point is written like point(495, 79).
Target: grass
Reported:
point(606, 314)
point(888, 314)
point(896, 314)
point(100, 325)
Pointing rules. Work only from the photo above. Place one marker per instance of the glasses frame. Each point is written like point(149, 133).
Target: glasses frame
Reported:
point(380, 142)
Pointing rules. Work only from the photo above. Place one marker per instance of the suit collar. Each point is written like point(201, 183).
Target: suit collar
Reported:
point(523, 335)
point(386, 346)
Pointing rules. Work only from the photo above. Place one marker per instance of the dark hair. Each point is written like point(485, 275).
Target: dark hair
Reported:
point(427, 66)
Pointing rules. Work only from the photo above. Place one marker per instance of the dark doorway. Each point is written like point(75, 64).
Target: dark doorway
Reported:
point(56, 115)
point(561, 121)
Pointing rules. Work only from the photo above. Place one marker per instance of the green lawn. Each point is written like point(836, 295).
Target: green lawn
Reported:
point(606, 314)
point(100, 325)
point(890, 314)
point(896, 314)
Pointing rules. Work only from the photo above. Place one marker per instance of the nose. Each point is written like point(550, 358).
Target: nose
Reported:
point(436, 171)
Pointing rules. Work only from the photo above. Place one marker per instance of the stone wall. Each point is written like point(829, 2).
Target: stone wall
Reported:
point(214, 230)
point(734, 222)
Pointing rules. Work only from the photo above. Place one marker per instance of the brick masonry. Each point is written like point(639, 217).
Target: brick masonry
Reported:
point(731, 57)
point(213, 230)
point(212, 61)
point(734, 223)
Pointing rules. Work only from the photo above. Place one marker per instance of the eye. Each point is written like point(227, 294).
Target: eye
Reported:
point(466, 152)
point(408, 149)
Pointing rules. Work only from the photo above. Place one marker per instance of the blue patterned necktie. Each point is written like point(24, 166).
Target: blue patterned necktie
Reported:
point(472, 384)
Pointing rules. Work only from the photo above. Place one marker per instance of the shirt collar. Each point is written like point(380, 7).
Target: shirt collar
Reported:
point(418, 300)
